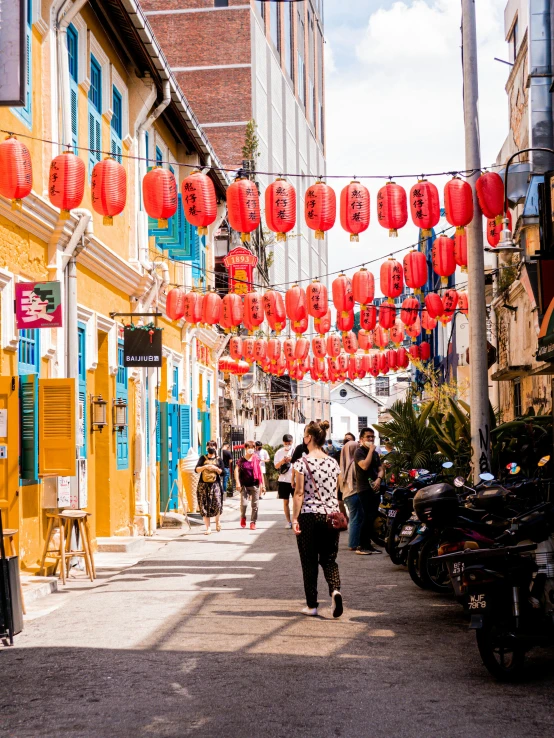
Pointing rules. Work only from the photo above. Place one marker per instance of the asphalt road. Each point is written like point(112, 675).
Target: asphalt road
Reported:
point(205, 638)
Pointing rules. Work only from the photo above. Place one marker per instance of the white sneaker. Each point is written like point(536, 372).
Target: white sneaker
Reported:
point(337, 608)
point(207, 532)
point(288, 525)
point(311, 611)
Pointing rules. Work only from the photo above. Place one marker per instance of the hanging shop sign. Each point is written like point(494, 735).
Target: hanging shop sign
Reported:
point(240, 264)
point(38, 305)
point(13, 50)
point(545, 351)
point(142, 346)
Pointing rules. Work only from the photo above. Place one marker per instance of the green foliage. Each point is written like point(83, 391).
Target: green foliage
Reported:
point(271, 473)
point(251, 148)
point(453, 434)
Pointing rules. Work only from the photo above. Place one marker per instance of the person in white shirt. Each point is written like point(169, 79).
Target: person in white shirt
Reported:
point(282, 462)
point(264, 458)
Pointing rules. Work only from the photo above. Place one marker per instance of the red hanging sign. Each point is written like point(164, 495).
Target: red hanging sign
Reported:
point(240, 264)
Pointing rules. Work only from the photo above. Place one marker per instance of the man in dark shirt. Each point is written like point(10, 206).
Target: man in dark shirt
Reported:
point(369, 474)
point(226, 458)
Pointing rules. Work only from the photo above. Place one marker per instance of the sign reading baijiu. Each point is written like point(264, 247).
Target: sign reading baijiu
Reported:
point(38, 305)
point(240, 263)
point(142, 346)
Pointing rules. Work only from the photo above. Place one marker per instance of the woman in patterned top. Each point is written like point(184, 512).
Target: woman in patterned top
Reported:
point(315, 497)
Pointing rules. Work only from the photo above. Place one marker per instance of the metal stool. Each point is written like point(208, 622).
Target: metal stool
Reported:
point(9, 533)
point(65, 520)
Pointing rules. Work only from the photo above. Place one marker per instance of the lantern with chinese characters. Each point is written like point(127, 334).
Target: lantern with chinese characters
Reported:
point(365, 340)
point(363, 287)
point(392, 360)
point(427, 322)
point(494, 228)
point(199, 201)
point(380, 337)
point(16, 170)
point(274, 308)
point(463, 303)
point(211, 308)
point(425, 207)
point(235, 347)
point(397, 333)
point(232, 309)
point(317, 302)
point(490, 194)
point(413, 351)
point(280, 366)
point(343, 297)
point(434, 305)
point(193, 308)
point(108, 189)
point(323, 325)
point(460, 250)
point(345, 321)
point(361, 370)
point(368, 318)
point(253, 310)
point(248, 349)
point(450, 301)
point(301, 349)
point(458, 203)
point(175, 303)
point(354, 209)
point(415, 270)
point(352, 368)
point(387, 315)
point(280, 208)
point(414, 330)
point(243, 367)
point(402, 360)
point(260, 349)
point(374, 364)
point(296, 304)
point(383, 363)
point(391, 279)
point(319, 348)
point(320, 208)
point(159, 195)
point(392, 207)
point(350, 342)
point(264, 364)
point(66, 184)
point(342, 363)
point(410, 310)
point(334, 345)
point(300, 327)
point(424, 351)
point(243, 207)
point(274, 350)
point(444, 262)
point(318, 365)
point(288, 349)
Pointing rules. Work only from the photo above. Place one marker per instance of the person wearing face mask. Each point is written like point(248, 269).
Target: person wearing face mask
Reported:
point(249, 478)
point(210, 492)
point(282, 462)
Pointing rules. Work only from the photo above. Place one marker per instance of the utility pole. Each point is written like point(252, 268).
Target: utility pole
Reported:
point(479, 391)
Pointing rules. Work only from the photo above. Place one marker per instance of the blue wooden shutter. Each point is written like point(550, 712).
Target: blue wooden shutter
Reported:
point(122, 393)
point(95, 113)
point(158, 432)
point(73, 57)
point(28, 399)
point(184, 430)
point(82, 414)
point(116, 124)
point(26, 113)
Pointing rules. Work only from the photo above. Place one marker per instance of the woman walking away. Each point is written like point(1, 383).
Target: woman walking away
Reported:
point(248, 476)
point(315, 499)
point(210, 492)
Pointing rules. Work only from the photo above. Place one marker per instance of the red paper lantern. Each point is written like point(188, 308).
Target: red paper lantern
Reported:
point(320, 208)
point(302, 349)
point(343, 297)
point(368, 317)
point(243, 207)
point(391, 279)
point(175, 303)
point(316, 299)
point(260, 349)
point(342, 363)
point(225, 364)
point(288, 348)
point(434, 305)
point(414, 352)
point(397, 333)
point(494, 228)
point(323, 325)
point(243, 367)
point(450, 301)
point(253, 310)
point(66, 185)
point(410, 310)
point(424, 351)
point(274, 350)
point(490, 194)
point(383, 363)
point(235, 347)
point(274, 308)
point(211, 308)
point(374, 364)
point(296, 304)
point(350, 342)
point(352, 368)
point(414, 330)
point(300, 326)
point(463, 305)
point(334, 346)
point(319, 348)
point(363, 287)
point(425, 207)
point(365, 340)
point(16, 170)
point(280, 366)
point(380, 337)
point(415, 270)
point(248, 345)
point(392, 207)
point(387, 315)
point(354, 209)
point(280, 208)
point(193, 308)
point(199, 201)
point(232, 309)
point(444, 262)
point(392, 360)
point(402, 360)
point(345, 322)
point(159, 195)
point(427, 322)
point(460, 250)
point(108, 189)
point(458, 203)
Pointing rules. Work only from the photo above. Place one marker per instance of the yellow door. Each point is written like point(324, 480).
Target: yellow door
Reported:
point(9, 452)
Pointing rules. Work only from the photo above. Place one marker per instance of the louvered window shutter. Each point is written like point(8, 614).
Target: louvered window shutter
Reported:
point(158, 432)
point(185, 429)
point(28, 398)
point(57, 428)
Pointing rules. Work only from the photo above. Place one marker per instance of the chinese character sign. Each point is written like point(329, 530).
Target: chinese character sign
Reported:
point(38, 305)
point(240, 263)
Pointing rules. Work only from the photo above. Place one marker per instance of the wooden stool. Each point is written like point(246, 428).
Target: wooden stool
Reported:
point(65, 520)
point(9, 533)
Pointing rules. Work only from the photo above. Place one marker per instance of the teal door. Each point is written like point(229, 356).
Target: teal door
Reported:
point(169, 453)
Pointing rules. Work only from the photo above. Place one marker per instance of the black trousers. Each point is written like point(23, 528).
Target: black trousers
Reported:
point(318, 545)
point(370, 505)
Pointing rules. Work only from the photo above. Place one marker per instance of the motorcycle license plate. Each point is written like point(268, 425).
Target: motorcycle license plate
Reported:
point(407, 530)
point(478, 601)
point(392, 513)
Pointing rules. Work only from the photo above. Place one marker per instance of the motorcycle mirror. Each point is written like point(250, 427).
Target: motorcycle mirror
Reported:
point(511, 466)
point(447, 465)
point(515, 469)
point(459, 482)
point(544, 460)
point(486, 476)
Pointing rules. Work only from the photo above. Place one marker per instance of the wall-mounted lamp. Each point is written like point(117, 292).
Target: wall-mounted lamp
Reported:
point(119, 414)
point(99, 413)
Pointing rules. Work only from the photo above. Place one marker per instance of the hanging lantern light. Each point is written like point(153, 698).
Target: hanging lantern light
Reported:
point(288, 349)
point(350, 342)
point(427, 322)
point(410, 310)
point(424, 351)
point(280, 366)
point(381, 337)
point(365, 340)
point(302, 349)
point(108, 189)
point(460, 250)
point(444, 263)
point(363, 287)
point(319, 347)
point(342, 363)
point(383, 363)
point(413, 351)
point(392, 360)
point(253, 310)
point(402, 359)
point(175, 303)
point(463, 305)
point(243, 367)
point(458, 203)
point(334, 346)
point(366, 363)
point(494, 229)
point(159, 195)
point(300, 327)
point(248, 349)
point(352, 368)
point(345, 322)
point(323, 325)
point(211, 308)
point(193, 308)
point(66, 185)
point(280, 208)
point(373, 368)
point(414, 330)
point(243, 207)
point(450, 301)
point(260, 349)
point(320, 208)
point(387, 315)
point(359, 364)
point(425, 207)
point(392, 207)
point(490, 194)
point(232, 309)
point(368, 317)
point(434, 305)
point(391, 279)
point(274, 350)
point(16, 171)
point(235, 347)
point(415, 270)
point(397, 333)
point(225, 364)
point(199, 201)
point(316, 300)
point(274, 308)
point(343, 297)
point(296, 305)
point(318, 365)
point(354, 209)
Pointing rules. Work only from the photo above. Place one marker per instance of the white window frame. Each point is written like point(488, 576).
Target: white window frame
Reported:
point(102, 59)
